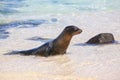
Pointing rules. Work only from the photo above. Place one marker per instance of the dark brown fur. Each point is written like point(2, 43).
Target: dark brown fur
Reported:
point(57, 46)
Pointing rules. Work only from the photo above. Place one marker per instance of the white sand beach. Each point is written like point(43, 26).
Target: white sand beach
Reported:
point(81, 62)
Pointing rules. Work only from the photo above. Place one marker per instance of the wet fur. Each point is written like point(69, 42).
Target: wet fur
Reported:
point(55, 47)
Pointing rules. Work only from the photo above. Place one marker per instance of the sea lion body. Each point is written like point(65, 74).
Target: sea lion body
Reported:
point(102, 38)
point(57, 46)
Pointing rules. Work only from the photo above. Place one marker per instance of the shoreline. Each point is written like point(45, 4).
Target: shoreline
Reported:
point(80, 63)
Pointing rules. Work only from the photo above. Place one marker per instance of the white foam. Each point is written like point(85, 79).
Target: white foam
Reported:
point(82, 62)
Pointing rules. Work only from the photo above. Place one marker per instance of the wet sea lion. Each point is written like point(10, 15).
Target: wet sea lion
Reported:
point(56, 46)
point(102, 38)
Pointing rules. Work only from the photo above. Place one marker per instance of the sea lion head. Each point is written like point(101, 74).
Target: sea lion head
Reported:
point(72, 30)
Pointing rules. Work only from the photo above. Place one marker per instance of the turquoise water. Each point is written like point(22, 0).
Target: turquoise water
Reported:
point(64, 6)
point(14, 13)
point(56, 6)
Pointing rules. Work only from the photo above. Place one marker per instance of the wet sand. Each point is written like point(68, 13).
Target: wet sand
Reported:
point(82, 62)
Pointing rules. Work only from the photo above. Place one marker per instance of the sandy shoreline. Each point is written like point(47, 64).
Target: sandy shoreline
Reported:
point(82, 62)
point(38, 76)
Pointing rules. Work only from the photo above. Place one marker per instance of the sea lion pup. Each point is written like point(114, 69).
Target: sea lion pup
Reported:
point(57, 46)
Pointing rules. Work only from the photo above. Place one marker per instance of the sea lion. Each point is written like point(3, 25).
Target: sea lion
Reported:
point(102, 38)
point(56, 46)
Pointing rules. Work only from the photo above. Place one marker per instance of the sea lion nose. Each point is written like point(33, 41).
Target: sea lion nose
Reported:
point(79, 30)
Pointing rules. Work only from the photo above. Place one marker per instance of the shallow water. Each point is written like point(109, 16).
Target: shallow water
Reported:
point(55, 6)
point(82, 62)
point(12, 10)
point(26, 24)
point(26, 7)
point(31, 13)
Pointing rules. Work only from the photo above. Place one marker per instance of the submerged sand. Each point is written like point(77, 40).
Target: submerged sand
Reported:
point(82, 62)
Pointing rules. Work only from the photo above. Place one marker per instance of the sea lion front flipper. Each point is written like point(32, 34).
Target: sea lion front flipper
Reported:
point(44, 50)
point(49, 49)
